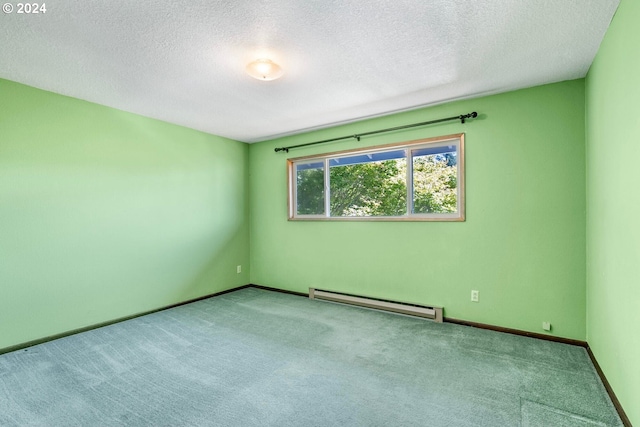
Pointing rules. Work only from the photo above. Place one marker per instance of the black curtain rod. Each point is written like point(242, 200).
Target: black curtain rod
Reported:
point(462, 118)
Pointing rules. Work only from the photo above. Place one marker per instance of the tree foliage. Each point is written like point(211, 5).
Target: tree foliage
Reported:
point(369, 189)
point(310, 191)
point(434, 184)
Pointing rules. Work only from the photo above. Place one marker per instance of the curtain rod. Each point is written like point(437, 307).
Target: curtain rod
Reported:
point(462, 119)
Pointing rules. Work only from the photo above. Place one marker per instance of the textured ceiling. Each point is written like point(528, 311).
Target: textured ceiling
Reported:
point(183, 61)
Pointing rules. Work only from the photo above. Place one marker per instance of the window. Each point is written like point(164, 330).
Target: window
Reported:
point(412, 181)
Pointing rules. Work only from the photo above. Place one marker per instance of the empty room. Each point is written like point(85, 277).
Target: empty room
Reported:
point(306, 213)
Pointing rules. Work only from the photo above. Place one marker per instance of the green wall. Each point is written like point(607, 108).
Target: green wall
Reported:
point(522, 245)
point(105, 214)
point(613, 206)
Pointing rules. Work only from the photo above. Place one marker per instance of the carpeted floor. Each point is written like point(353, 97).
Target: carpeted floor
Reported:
point(261, 358)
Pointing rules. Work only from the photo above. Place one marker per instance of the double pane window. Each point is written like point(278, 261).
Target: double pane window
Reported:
point(419, 180)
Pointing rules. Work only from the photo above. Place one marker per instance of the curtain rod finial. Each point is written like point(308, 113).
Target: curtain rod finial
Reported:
point(468, 116)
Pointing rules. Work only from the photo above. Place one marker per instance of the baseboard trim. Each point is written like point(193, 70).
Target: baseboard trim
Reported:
point(282, 291)
point(517, 332)
point(31, 343)
point(614, 399)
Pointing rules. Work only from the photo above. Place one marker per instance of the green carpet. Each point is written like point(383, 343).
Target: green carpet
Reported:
point(261, 358)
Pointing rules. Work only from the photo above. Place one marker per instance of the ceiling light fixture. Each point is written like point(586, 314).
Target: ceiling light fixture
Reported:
point(264, 69)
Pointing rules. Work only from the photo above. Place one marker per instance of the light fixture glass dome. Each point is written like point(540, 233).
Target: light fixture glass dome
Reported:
point(264, 69)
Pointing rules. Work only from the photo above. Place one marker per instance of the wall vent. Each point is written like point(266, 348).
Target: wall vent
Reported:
point(434, 313)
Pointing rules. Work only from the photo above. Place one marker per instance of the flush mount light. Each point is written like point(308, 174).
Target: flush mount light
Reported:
point(264, 69)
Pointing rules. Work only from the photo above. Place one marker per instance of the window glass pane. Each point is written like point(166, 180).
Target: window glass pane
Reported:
point(435, 180)
point(369, 184)
point(310, 188)
point(446, 149)
point(369, 157)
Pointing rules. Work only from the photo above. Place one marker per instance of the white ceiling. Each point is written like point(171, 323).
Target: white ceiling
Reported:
point(183, 61)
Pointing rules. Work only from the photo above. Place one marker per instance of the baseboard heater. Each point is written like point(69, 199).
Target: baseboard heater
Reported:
point(434, 313)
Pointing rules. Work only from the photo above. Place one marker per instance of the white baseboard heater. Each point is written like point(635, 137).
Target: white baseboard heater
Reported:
point(434, 313)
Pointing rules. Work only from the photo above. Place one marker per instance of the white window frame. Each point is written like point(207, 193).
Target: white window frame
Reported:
point(456, 140)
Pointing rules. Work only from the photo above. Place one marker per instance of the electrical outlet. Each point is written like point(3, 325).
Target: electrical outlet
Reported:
point(546, 326)
point(239, 269)
point(475, 296)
